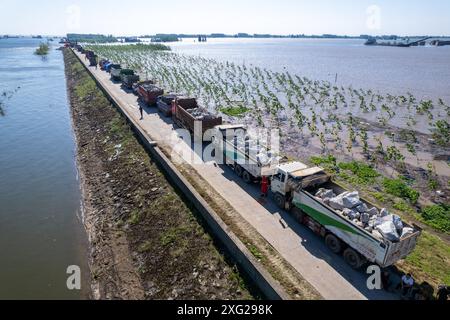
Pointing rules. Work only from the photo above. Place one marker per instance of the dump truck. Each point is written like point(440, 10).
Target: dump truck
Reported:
point(92, 60)
point(110, 65)
point(186, 113)
point(89, 53)
point(164, 103)
point(118, 72)
point(149, 93)
point(102, 63)
point(250, 159)
point(294, 188)
point(129, 79)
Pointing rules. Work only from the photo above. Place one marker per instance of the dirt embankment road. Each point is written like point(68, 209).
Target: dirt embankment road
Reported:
point(146, 243)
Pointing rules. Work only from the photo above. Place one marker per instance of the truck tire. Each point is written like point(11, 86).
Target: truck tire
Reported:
point(297, 214)
point(247, 177)
point(280, 201)
point(353, 258)
point(238, 169)
point(333, 243)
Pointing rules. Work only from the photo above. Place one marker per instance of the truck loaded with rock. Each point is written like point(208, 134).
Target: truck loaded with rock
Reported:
point(351, 225)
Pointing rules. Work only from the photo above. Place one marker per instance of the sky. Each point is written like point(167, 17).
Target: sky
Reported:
point(139, 17)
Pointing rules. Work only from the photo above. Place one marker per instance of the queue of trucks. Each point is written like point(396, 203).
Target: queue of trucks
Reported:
point(294, 186)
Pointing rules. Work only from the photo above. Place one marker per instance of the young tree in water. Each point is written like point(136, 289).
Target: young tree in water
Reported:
point(394, 154)
point(365, 141)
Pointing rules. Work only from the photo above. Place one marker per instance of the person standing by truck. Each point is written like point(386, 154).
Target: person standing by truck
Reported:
point(264, 187)
point(141, 111)
point(443, 292)
point(406, 284)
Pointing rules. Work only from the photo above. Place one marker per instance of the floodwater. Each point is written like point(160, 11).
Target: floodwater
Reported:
point(41, 231)
point(423, 71)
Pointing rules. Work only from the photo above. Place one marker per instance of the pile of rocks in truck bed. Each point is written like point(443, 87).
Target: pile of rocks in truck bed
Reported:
point(381, 224)
point(256, 150)
point(201, 114)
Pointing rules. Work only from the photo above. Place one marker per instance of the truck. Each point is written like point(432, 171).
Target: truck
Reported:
point(250, 159)
point(128, 79)
point(92, 60)
point(186, 113)
point(108, 66)
point(102, 63)
point(117, 72)
point(294, 187)
point(164, 103)
point(149, 92)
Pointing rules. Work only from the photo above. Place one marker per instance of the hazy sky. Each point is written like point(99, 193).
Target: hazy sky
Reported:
point(134, 17)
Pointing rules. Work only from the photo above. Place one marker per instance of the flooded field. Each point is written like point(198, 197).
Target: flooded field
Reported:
point(321, 116)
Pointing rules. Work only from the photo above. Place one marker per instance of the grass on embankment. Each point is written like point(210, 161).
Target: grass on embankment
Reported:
point(430, 261)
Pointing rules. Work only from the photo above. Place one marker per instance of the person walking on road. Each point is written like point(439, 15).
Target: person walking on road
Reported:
point(141, 111)
point(264, 187)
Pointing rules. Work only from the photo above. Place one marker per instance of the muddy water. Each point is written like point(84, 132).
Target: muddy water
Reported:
point(41, 232)
point(423, 71)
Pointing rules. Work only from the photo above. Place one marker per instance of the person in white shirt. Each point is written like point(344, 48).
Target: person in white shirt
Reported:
point(407, 284)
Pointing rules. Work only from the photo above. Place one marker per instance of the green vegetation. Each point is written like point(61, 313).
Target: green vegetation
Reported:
point(134, 217)
point(402, 206)
point(328, 162)
point(399, 188)
point(91, 38)
point(43, 49)
point(441, 133)
point(84, 89)
point(165, 38)
point(146, 246)
point(430, 261)
point(239, 111)
point(172, 235)
point(365, 173)
point(255, 252)
point(362, 173)
point(437, 216)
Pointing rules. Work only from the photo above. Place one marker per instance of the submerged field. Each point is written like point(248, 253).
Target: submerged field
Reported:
point(394, 148)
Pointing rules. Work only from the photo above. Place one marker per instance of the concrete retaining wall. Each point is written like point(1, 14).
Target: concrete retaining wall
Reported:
point(220, 231)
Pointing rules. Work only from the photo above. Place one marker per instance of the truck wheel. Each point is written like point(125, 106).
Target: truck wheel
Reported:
point(247, 177)
point(297, 214)
point(238, 170)
point(333, 243)
point(353, 258)
point(280, 201)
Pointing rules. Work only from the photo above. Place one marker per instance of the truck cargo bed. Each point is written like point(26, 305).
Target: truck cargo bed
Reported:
point(375, 249)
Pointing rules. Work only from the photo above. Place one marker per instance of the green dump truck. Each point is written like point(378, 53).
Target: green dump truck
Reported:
point(295, 187)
